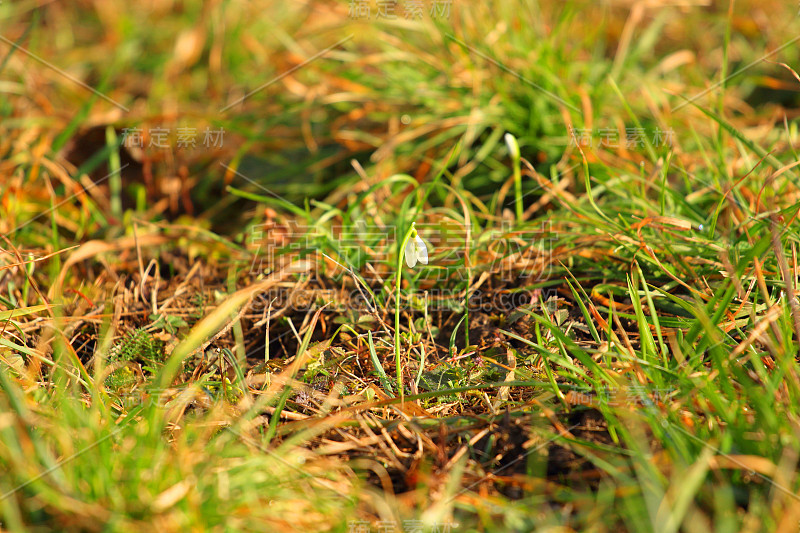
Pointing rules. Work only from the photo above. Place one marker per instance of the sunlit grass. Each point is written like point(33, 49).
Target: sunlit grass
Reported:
point(225, 336)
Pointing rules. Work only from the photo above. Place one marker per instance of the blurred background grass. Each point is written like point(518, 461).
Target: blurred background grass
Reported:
point(393, 94)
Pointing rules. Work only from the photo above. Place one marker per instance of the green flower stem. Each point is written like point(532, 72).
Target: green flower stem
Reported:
point(513, 151)
point(518, 189)
point(411, 233)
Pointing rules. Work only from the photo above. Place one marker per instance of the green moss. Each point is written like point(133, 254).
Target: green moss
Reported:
point(137, 347)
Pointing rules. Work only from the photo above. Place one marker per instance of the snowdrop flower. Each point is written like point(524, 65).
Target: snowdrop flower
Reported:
point(512, 145)
point(416, 249)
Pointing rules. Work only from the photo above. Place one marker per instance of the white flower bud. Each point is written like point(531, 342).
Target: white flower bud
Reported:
point(416, 251)
point(513, 147)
